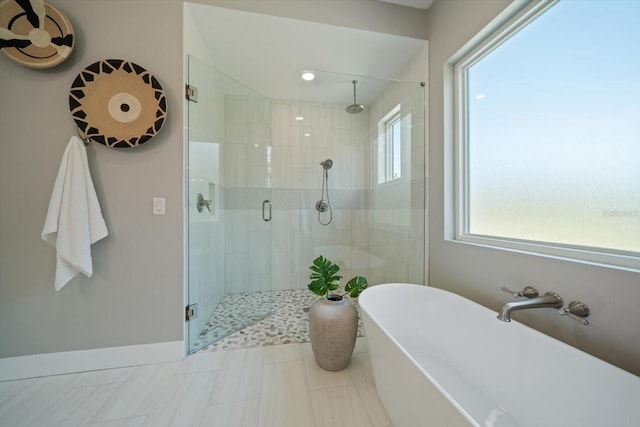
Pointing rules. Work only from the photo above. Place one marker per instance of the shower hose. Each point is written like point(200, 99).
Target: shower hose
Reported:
point(325, 192)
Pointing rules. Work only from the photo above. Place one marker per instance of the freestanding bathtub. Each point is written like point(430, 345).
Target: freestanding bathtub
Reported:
point(441, 360)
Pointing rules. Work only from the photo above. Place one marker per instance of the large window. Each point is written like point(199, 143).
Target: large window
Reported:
point(548, 130)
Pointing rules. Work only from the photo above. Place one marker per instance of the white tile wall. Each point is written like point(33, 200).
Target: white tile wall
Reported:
point(267, 148)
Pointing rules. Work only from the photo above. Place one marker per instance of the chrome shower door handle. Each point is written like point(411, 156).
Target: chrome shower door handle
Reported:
point(264, 211)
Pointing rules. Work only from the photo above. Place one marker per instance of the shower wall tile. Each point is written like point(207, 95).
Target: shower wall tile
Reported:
point(341, 179)
point(259, 282)
point(341, 137)
point(281, 158)
point(281, 272)
point(290, 168)
point(236, 274)
point(303, 135)
point(322, 138)
point(258, 134)
point(236, 120)
point(257, 154)
point(302, 156)
point(259, 110)
point(237, 234)
point(359, 169)
point(340, 119)
point(360, 125)
point(281, 176)
point(281, 117)
point(304, 219)
point(305, 178)
point(259, 245)
point(360, 229)
point(342, 222)
point(282, 224)
point(301, 109)
point(321, 115)
point(235, 159)
point(258, 177)
point(345, 154)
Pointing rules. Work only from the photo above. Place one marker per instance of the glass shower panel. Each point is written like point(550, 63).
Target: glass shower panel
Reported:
point(377, 181)
point(229, 206)
point(397, 203)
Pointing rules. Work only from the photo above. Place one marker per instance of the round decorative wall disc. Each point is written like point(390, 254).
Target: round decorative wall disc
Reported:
point(117, 103)
point(34, 33)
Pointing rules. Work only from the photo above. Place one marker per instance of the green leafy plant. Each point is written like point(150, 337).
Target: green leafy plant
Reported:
point(325, 279)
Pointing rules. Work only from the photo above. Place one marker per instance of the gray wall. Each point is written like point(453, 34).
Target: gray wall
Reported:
point(477, 272)
point(371, 15)
point(135, 295)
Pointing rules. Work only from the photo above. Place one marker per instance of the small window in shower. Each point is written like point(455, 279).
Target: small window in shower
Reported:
point(390, 146)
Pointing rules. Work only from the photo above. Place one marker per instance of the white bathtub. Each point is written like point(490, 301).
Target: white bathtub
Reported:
point(442, 360)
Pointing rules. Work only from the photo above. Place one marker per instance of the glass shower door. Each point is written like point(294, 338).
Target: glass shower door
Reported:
point(229, 206)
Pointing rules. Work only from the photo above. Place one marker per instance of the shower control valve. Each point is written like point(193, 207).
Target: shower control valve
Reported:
point(528, 292)
point(577, 310)
point(322, 206)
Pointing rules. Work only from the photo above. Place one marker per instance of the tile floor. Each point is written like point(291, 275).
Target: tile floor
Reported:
point(272, 386)
point(242, 320)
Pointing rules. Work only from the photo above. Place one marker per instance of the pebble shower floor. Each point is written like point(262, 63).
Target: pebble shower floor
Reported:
point(287, 322)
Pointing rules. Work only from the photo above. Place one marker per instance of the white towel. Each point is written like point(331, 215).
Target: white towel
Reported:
point(74, 219)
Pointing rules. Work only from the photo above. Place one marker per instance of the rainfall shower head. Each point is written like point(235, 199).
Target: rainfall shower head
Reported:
point(354, 108)
point(326, 164)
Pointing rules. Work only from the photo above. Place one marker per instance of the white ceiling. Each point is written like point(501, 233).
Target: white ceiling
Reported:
point(267, 53)
point(420, 4)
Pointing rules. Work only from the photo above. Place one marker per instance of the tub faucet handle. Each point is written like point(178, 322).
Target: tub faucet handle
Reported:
point(528, 292)
point(577, 311)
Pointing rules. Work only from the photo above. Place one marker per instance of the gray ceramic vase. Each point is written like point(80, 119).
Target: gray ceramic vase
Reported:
point(333, 327)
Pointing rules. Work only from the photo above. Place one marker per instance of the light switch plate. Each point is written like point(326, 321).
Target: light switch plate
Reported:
point(159, 205)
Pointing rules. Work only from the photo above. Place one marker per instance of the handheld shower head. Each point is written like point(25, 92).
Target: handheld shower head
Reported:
point(326, 164)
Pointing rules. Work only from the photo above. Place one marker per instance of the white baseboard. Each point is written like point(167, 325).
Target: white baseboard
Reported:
point(38, 365)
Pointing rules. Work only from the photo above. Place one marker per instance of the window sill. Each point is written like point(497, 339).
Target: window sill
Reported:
point(627, 261)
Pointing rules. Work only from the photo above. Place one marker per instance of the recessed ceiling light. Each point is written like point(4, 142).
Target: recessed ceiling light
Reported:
point(308, 75)
point(299, 118)
point(307, 134)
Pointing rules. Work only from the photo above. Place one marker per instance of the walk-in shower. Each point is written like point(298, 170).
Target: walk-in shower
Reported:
point(249, 276)
point(255, 144)
point(324, 204)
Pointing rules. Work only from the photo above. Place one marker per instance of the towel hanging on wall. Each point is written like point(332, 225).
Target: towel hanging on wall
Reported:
point(74, 220)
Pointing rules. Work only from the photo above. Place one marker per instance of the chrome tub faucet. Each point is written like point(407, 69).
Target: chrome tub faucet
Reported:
point(549, 299)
